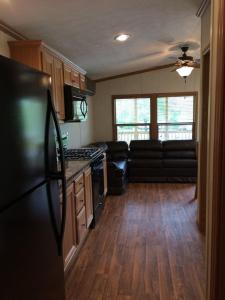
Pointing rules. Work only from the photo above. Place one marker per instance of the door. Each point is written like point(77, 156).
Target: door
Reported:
point(88, 196)
point(30, 265)
point(23, 123)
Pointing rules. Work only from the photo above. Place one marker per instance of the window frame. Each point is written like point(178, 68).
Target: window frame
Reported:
point(115, 125)
point(153, 126)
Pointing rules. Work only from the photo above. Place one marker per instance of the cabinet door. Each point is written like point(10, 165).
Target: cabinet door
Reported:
point(82, 82)
point(105, 175)
point(75, 79)
point(69, 241)
point(59, 85)
point(88, 196)
point(48, 67)
point(67, 75)
point(81, 225)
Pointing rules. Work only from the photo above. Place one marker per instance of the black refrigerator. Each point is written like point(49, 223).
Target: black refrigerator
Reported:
point(32, 219)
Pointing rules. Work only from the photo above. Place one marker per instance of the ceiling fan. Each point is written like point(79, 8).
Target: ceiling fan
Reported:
point(185, 63)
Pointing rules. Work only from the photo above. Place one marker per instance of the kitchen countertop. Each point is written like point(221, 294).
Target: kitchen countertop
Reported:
point(74, 167)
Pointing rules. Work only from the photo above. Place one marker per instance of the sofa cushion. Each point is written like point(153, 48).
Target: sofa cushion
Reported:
point(116, 146)
point(145, 163)
point(179, 163)
point(179, 145)
point(180, 154)
point(145, 154)
point(117, 151)
point(145, 145)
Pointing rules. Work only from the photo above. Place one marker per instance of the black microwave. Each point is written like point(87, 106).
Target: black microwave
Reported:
point(76, 107)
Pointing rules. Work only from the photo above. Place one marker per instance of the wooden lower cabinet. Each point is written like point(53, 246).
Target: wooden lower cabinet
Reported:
point(70, 234)
point(88, 196)
point(80, 200)
point(79, 214)
point(81, 225)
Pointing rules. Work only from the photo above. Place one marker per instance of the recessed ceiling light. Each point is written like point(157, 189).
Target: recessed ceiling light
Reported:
point(122, 37)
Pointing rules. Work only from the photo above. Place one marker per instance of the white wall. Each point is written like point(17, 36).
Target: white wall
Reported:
point(80, 134)
point(205, 28)
point(160, 81)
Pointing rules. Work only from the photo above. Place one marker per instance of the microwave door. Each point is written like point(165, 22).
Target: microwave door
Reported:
point(76, 110)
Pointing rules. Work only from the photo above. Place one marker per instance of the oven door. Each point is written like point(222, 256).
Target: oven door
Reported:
point(98, 189)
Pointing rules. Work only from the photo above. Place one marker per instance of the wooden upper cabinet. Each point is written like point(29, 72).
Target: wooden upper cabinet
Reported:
point(27, 52)
point(71, 76)
point(67, 75)
point(36, 55)
point(59, 88)
point(75, 79)
point(88, 196)
point(82, 82)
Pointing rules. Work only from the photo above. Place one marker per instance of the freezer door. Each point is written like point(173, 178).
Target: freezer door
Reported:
point(30, 265)
point(23, 129)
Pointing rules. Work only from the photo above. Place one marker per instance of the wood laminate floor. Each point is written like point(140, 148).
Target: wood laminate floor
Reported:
point(145, 246)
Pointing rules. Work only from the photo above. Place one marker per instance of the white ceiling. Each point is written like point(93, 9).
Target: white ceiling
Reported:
point(83, 30)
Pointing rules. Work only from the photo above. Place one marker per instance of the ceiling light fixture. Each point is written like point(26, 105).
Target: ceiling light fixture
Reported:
point(185, 71)
point(123, 37)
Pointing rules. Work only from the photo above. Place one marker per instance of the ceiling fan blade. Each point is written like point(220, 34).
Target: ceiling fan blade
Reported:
point(193, 64)
point(174, 70)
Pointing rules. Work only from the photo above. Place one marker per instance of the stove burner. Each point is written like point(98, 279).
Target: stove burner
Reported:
point(81, 154)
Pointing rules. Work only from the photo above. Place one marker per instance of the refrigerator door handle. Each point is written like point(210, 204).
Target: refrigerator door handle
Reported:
point(57, 176)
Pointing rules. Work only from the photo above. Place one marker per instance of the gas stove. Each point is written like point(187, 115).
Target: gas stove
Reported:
point(82, 153)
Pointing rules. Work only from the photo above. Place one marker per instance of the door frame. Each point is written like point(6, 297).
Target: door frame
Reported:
point(215, 286)
point(203, 139)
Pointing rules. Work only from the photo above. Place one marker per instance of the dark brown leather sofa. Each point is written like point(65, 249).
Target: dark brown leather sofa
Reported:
point(150, 161)
point(156, 161)
point(117, 163)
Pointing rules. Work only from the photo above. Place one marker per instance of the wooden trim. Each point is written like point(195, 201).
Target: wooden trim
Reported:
point(216, 159)
point(11, 32)
point(202, 8)
point(202, 174)
point(153, 126)
point(206, 50)
point(113, 120)
point(151, 95)
point(134, 73)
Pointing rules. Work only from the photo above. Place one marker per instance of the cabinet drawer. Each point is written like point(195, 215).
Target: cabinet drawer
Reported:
point(79, 183)
point(79, 198)
point(81, 225)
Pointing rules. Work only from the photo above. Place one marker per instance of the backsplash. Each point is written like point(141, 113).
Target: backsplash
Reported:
point(80, 134)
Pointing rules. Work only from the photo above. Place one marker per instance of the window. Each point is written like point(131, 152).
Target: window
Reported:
point(175, 117)
point(155, 116)
point(132, 119)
